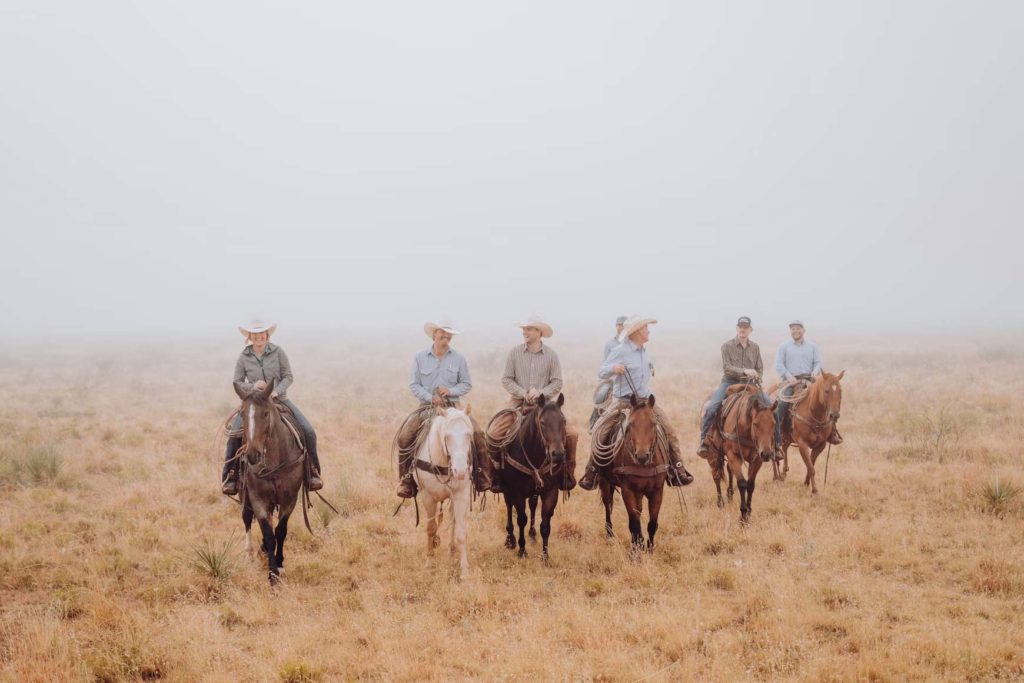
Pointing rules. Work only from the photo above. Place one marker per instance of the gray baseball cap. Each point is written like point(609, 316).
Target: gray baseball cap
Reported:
point(621, 320)
point(795, 321)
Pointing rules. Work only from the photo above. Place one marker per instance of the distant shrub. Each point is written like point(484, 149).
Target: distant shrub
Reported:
point(931, 435)
point(722, 579)
point(299, 672)
point(31, 465)
point(997, 496)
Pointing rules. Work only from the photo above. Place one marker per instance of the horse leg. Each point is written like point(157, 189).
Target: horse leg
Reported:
point(805, 453)
point(547, 511)
point(718, 475)
point(607, 497)
point(736, 470)
point(633, 508)
point(510, 537)
point(430, 510)
point(521, 518)
point(460, 529)
point(814, 459)
point(279, 535)
point(731, 489)
point(753, 468)
point(653, 509)
point(247, 521)
point(268, 548)
point(533, 513)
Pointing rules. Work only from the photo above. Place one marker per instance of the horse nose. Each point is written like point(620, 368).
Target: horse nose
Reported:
point(643, 458)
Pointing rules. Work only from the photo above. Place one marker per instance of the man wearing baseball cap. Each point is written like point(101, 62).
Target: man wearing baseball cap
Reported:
point(797, 360)
point(741, 362)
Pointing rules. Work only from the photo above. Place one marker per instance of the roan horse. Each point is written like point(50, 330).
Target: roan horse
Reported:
point(637, 457)
point(441, 470)
point(534, 465)
point(273, 472)
point(813, 417)
point(743, 434)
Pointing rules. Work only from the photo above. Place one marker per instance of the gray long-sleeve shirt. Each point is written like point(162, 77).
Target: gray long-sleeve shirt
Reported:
point(272, 365)
point(429, 372)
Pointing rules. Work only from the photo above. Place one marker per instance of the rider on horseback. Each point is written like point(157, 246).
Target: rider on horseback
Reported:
point(260, 362)
point(630, 367)
point(741, 363)
point(440, 376)
point(797, 360)
point(531, 370)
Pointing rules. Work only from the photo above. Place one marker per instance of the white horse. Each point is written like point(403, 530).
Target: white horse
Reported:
point(442, 471)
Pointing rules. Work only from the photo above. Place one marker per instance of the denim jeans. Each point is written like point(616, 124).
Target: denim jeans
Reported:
point(713, 405)
point(781, 413)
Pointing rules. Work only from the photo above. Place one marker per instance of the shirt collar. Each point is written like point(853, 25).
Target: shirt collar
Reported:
point(430, 351)
point(526, 347)
point(267, 349)
point(633, 344)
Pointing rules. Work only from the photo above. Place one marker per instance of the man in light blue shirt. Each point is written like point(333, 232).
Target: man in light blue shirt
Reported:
point(797, 359)
point(630, 368)
point(439, 378)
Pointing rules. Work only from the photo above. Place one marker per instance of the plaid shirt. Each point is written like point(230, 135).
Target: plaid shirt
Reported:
point(736, 359)
point(525, 370)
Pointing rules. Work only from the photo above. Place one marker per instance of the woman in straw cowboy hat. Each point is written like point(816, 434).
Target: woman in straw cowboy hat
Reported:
point(532, 369)
point(439, 378)
point(258, 364)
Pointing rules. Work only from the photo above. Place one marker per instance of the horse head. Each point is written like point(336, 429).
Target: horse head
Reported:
point(762, 424)
point(549, 422)
point(456, 436)
point(258, 416)
point(831, 393)
point(643, 429)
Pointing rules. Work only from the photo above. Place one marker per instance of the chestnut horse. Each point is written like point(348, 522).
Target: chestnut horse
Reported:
point(638, 468)
point(534, 466)
point(813, 418)
point(743, 434)
point(272, 474)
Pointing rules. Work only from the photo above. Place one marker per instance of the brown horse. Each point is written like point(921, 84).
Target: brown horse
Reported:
point(744, 433)
point(639, 468)
point(813, 419)
point(534, 468)
point(272, 474)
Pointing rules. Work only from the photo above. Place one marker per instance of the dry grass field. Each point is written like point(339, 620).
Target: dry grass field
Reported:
point(120, 560)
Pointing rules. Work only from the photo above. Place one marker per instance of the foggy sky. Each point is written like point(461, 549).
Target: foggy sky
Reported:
point(186, 164)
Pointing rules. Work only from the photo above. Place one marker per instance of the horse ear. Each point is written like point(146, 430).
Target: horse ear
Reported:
point(650, 401)
point(561, 400)
point(443, 412)
point(840, 375)
point(541, 400)
point(242, 393)
point(632, 400)
point(269, 390)
point(468, 409)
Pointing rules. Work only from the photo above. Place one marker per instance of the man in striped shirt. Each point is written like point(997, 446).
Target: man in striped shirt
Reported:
point(531, 370)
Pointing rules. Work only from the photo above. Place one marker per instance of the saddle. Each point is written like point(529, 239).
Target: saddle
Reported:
point(286, 414)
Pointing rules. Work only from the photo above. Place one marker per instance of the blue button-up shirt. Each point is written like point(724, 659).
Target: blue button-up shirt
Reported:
point(430, 372)
point(637, 364)
point(610, 346)
point(798, 359)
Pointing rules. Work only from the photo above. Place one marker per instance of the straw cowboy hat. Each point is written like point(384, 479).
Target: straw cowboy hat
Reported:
point(445, 325)
point(256, 325)
point(632, 324)
point(535, 321)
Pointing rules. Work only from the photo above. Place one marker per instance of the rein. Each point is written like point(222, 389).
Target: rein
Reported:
point(547, 466)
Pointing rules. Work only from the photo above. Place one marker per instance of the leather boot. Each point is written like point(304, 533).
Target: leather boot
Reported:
point(229, 475)
point(589, 480)
point(315, 482)
point(483, 470)
point(568, 482)
point(834, 438)
point(677, 474)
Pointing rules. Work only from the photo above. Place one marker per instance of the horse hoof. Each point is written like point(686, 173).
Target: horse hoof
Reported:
point(609, 535)
point(721, 504)
point(522, 552)
point(274, 579)
point(510, 543)
point(533, 535)
point(544, 558)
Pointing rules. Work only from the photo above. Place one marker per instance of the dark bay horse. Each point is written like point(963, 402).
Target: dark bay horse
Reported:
point(813, 418)
point(743, 435)
point(272, 474)
point(639, 468)
point(534, 467)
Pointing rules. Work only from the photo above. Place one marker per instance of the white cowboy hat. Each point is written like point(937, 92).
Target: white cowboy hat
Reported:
point(256, 325)
point(632, 324)
point(445, 325)
point(535, 321)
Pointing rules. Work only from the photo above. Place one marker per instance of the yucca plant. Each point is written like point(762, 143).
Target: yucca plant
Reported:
point(216, 559)
point(997, 495)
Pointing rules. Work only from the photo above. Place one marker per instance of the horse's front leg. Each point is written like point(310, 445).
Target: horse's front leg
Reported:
point(735, 462)
point(247, 521)
point(510, 536)
point(280, 533)
point(521, 518)
point(805, 453)
point(533, 514)
point(268, 547)
point(546, 513)
point(460, 529)
point(633, 504)
point(752, 469)
point(430, 510)
point(653, 509)
point(717, 474)
point(607, 497)
point(815, 452)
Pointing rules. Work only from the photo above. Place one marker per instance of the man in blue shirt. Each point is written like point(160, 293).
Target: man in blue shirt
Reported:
point(798, 359)
point(630, 359)
point(439, 378)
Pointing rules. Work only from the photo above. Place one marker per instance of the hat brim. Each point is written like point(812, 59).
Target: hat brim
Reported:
point(545, 329)
point(632, 327)
point(269, 329)
point(430, 328)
